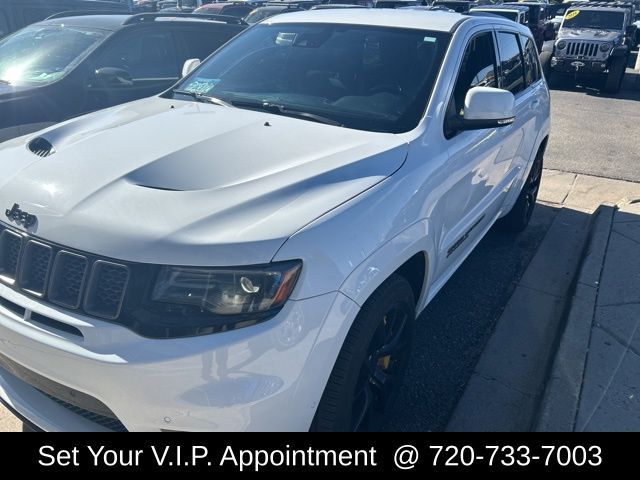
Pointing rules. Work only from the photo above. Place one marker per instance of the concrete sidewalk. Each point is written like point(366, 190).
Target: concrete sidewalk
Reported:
point(530, 375)
point(610, 396)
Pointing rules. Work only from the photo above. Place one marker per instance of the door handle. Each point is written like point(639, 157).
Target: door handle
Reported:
point(535, 104)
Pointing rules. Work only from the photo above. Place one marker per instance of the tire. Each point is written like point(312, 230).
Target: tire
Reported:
point(518, 218)
point(615, 76)
point(363, 385)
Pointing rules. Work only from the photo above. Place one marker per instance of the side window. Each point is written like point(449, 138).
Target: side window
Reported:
point(531, 64)
point(478, 69)
point(511, 63)
point(145, 54)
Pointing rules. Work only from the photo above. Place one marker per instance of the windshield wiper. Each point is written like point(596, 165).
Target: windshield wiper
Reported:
point(198, 97)
point(286, 111)
point(5, 82)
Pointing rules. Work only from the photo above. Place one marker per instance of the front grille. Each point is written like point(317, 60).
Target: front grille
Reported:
point(112, 424)
point(36, 263)
point(56, 274)
point(582, 49)
point(10, 248)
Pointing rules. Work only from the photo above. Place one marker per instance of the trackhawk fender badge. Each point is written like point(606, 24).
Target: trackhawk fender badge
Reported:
point(21, 217)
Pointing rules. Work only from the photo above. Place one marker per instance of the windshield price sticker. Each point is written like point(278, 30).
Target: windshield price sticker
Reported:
point(572, 14)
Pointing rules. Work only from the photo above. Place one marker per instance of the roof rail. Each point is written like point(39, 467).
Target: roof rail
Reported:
point(147, 17)
point(605, 4)
point(84, 13)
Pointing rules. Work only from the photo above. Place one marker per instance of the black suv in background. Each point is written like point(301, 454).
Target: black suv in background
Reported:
point(15, 14)
point(97, 61)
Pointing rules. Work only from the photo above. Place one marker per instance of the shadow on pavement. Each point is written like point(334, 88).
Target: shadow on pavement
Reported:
point(453, 330)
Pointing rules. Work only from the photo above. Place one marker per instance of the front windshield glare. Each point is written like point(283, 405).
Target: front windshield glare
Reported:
point(368, 78)
point(43, 54)
point(594, 19)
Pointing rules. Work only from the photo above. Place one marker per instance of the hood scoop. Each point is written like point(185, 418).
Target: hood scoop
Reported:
point(41, 146)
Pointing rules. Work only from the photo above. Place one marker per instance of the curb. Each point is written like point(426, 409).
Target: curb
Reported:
point(506, 387)
point(559, 406)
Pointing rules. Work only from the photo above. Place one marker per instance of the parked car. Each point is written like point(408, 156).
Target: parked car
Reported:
point(396, 3)
point(15, 14)
point(594, 40)
point(232, 9)
point(250, 249)
point(334, 6)
point(516, 13)
point(261, 13)
point(94, 62)
point(540, 24)
point(460, 6)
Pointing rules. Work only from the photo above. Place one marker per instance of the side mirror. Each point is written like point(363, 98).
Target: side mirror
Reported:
point(112, 77)
point(189, 66)
point(486, 107)
point(630, 31)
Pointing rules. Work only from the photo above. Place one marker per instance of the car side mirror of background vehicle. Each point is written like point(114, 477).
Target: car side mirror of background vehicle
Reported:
point(189, 66)
point(486, 107)
point(111, 77)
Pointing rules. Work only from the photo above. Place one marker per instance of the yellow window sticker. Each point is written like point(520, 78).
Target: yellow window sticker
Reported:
point(572, 14)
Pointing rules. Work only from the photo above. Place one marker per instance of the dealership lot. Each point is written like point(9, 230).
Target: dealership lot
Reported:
point(592, 134)
point(214, 288)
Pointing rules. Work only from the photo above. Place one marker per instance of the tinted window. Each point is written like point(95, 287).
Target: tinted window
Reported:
point(237, 11)
point(4, 24)
point(201, 43)
point(511, 64)
point(531, 64)
point(369, 78)
point(145, 54)
point(478, 69)
point(43, 54)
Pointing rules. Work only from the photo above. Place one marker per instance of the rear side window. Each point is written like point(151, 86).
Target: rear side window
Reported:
point(531, 64)
point(511, 63)
point(200, 43)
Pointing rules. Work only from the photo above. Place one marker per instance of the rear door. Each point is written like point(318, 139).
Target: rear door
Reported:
point(519, 73)
point(148, 58)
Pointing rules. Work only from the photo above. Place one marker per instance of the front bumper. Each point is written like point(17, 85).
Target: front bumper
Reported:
point(578, 66)
point(265, 377)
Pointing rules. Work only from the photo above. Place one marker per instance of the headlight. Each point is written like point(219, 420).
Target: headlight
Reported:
point(561, 44)
point(227, 291)
point(605, 47)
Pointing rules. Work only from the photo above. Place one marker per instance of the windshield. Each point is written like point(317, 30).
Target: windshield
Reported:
point(368, 78)
point(43, 54)
point(595, 19)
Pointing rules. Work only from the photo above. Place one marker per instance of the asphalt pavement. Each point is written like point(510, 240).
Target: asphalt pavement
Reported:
point(595, 133)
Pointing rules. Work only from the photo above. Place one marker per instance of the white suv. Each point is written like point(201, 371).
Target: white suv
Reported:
point(250, 250)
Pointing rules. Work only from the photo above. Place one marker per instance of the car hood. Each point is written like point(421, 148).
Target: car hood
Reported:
point(164, 181)
point(588, 34)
